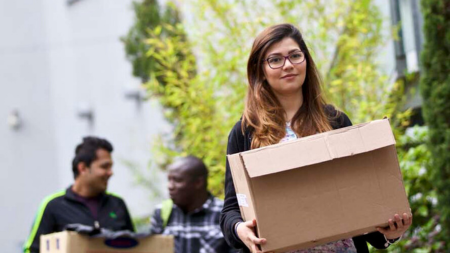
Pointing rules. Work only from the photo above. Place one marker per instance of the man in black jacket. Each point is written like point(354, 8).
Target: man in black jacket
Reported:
point(86, 201)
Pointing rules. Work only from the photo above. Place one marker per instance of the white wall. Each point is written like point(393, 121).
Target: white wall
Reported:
point(27, 163)
point(89, 67)
point(386, 56)
point(411, 51)
point(54, 58)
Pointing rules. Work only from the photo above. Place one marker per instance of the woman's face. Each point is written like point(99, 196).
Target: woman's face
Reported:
point(287, 80)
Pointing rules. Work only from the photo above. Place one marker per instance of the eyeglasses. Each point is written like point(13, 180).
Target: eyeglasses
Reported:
point(276, 62)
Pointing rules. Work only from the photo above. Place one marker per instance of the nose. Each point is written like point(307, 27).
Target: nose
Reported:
point(288, 64)
point(110, 172)
point(171, 185)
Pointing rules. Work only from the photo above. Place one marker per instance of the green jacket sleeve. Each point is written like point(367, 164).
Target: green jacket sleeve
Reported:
point(43, 224)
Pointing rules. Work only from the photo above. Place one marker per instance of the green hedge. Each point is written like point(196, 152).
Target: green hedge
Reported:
point(435, 89)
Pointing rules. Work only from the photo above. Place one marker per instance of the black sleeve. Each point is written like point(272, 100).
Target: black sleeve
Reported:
point(376, 239)
point(129, 223)
point(344, 120)
point(43, 224)
point(337, 118)
point(230, 212)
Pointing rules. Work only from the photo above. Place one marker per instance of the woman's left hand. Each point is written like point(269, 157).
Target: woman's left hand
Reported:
point(397, 226)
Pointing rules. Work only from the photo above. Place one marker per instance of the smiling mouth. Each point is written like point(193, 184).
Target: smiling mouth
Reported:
point(287, 76)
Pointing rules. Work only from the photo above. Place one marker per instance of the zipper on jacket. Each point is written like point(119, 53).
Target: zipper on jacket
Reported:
point(97, 225)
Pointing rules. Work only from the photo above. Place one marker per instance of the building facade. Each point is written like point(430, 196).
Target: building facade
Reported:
point(406, 15)
point(63, 75)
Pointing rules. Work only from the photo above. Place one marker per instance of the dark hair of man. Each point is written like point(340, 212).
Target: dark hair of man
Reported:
point(196, 168)
point(85, 152)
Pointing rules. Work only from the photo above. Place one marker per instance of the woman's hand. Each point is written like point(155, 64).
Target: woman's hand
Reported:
point(245, 232)
point(397, 226)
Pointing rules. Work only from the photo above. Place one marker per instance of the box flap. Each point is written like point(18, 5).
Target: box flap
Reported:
point(363, 190)
point(318, 148)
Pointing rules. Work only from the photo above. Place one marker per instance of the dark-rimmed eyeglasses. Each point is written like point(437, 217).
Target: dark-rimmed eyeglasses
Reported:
point(278, 61)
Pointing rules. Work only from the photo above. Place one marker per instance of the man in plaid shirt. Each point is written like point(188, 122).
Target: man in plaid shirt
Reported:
point(192, 215)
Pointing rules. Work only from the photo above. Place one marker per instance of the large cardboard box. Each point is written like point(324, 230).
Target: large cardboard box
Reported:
point(72, 242)
point(321, 188)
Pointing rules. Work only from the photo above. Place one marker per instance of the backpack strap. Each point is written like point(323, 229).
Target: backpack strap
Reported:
point(166, 210)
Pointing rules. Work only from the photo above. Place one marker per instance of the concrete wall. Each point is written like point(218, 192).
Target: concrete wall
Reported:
point(54, 59)
point(29, 170)
point(89, 69)
point(386, 56)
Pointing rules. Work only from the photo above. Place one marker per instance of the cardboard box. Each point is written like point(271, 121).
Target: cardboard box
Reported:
point(72, 242)
point(321, 188)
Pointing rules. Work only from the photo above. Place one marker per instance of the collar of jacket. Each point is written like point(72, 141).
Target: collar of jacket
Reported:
point(70, 194)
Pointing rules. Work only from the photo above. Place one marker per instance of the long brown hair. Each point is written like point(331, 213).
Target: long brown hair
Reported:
point(263, 113)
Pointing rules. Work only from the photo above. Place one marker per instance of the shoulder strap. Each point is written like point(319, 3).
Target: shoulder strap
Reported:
point(166, 210)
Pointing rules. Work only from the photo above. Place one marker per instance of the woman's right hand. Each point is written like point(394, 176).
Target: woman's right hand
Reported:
point(245, 232)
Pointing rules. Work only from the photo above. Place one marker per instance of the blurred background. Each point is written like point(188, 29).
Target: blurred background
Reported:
point(160, 79)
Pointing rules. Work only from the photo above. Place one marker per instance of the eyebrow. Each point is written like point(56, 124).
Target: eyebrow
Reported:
point(106, 163)
point(290, 52)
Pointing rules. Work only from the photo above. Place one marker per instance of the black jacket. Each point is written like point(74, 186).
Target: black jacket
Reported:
point(237, 142)
point(62, 208)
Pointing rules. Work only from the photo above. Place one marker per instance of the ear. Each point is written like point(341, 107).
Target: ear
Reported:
point(82, 168)
point(200, 183)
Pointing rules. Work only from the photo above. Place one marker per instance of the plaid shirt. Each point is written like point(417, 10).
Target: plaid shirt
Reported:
point(196, 232)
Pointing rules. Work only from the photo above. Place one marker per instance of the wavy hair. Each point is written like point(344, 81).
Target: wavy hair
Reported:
point(263, 113)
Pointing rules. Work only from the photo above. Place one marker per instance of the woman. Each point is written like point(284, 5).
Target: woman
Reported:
point(284, 102)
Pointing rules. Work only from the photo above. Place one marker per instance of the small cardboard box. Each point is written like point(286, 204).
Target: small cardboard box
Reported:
point(72, 242)
point(321, 188)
